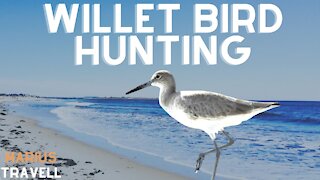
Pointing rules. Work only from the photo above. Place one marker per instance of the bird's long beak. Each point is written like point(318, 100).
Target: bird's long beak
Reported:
point(147, 84)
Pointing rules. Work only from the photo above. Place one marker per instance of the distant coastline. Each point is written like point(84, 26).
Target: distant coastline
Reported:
point(123, 97)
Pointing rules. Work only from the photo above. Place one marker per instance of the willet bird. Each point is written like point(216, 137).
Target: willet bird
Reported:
point(207, 111)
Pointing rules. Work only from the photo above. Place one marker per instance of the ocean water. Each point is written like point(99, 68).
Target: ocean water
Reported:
point(283, 143)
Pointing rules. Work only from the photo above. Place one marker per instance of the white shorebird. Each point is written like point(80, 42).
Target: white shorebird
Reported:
point(207, 111)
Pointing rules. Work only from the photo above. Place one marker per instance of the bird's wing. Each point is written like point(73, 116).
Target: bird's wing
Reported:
point(209, 105)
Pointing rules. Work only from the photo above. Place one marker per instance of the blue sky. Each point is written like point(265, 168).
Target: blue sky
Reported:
point(283, 65)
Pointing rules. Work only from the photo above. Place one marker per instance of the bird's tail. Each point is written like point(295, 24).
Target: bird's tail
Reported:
point(268, 105)
point(276, 104)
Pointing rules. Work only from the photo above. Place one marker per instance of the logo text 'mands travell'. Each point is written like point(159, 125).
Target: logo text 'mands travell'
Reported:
point(16, 165)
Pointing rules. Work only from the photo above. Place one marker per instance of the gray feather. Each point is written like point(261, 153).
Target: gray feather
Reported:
point(210, 105)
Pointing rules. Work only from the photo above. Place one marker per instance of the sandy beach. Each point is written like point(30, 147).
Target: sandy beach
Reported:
point(75, 160)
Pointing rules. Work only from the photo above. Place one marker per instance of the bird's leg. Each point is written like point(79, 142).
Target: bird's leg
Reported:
point(201, 158)
point(199, 162)
point(202, 155)
point(230, 140)
point(217, 160)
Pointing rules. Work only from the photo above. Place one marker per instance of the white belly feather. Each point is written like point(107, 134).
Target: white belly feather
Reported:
point(214, 125)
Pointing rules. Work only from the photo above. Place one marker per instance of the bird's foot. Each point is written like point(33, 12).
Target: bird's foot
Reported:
point(199, 162)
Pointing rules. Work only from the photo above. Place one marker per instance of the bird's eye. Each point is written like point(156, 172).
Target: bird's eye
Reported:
point(157, 77)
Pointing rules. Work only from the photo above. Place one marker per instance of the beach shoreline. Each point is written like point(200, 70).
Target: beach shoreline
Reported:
point(98, 138)
point(76, 160)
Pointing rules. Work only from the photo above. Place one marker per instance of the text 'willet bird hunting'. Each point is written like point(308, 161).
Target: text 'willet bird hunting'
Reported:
point(207, 111)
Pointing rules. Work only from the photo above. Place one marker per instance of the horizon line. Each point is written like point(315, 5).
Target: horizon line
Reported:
point(128, 97)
